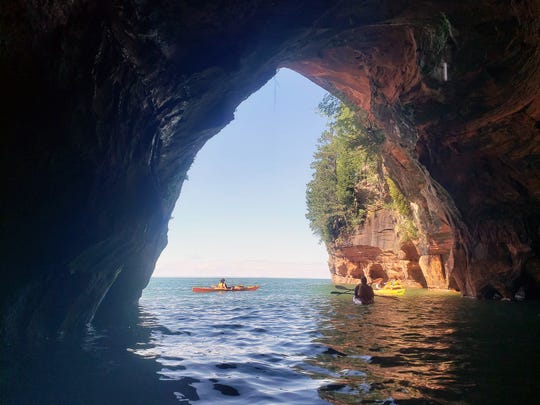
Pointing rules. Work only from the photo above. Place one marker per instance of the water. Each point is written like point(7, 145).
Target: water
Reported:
point(238, 347)
point(429, 348)
point(290, 342)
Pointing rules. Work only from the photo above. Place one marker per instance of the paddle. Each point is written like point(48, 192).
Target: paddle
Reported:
point(350, 291)
point(341, 287)
point(338, 292)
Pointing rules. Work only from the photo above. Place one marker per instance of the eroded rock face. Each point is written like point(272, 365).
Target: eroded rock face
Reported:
point(105, 104)
point(463, 148)
point(375, 251)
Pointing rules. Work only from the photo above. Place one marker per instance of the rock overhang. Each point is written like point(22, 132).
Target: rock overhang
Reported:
point(110, 102)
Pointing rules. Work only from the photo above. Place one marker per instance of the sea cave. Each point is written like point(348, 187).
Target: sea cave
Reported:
point(106, 104)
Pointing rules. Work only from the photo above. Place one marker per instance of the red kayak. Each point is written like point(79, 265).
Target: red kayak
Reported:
point(233, 288)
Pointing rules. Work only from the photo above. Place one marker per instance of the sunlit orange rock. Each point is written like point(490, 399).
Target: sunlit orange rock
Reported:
point(376, 252)
point(433, 271)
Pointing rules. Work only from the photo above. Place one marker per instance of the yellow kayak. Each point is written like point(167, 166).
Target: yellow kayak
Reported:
point(390, 290)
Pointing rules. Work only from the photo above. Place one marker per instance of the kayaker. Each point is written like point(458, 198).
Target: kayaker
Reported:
point(222, 284)
point(364, 292)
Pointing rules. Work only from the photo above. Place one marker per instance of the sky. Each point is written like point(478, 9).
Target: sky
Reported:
point(242, 211)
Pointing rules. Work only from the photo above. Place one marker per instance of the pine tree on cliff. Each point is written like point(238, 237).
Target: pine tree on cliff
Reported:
point(344, 159)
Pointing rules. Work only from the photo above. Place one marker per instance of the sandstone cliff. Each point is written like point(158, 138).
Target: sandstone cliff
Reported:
point(376, 252)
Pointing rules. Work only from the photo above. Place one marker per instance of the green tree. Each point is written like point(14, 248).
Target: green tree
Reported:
point(406, 226)
point(344, 158)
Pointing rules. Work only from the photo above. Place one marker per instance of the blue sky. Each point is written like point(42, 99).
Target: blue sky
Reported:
point(242, 211)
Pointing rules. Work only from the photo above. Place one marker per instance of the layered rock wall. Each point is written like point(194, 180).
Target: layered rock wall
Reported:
point(375, 251)
point(459, 147)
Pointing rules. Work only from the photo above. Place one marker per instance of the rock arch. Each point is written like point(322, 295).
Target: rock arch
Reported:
point(105, 105)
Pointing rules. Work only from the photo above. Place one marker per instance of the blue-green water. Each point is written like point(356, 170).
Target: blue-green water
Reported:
point(290, 342)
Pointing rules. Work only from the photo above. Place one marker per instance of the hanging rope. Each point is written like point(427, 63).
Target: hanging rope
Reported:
point(276, 85)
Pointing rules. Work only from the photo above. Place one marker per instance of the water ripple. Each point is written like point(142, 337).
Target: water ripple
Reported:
point(249, 346)
point(291, 342)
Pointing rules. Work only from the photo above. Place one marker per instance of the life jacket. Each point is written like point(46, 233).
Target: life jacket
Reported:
point(365, 293)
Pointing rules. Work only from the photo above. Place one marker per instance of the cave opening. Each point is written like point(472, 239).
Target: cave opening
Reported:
point(241, 212)
point(122, 98)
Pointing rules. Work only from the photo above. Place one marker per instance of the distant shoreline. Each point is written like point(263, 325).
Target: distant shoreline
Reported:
point(244, 277)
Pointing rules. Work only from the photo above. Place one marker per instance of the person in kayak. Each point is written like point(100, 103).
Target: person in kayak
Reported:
point(364, 292)
point(222, 284)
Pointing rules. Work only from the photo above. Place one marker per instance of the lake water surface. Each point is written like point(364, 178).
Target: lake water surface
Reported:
point(290, 342)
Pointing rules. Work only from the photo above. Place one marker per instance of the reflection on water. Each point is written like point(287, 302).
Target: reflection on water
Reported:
point(431, 348)
point(102, 371)
point(291, 343)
